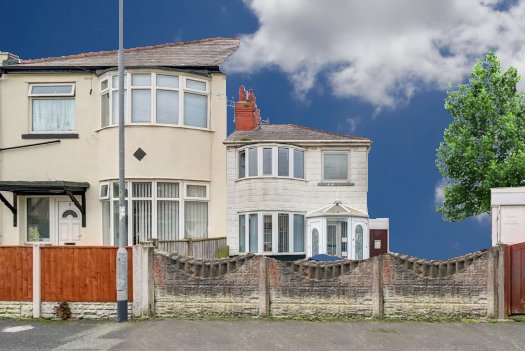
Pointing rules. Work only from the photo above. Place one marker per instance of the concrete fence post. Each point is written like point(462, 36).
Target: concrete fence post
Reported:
point(37, 282)
point(492, 291)
point(377, 287)
point(143, 280)
point(500, 283)
point(264, 287)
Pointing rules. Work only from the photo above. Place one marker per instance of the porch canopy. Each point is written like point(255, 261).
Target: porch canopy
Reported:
point(337, 209)
point(43, 188)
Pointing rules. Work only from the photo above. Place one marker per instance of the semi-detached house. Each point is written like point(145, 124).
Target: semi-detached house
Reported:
point(295, 191)
point(59, 145)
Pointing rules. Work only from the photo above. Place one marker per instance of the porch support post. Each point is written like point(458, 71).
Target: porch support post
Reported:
point(81, 207)
point(13, 208)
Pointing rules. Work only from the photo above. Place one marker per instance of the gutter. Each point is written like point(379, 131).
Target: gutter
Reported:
point(309, 142)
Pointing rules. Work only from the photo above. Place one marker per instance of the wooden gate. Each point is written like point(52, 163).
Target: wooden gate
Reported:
point(378, 242)
point(515, 278)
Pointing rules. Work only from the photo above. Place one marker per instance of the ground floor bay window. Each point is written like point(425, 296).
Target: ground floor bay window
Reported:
point(156, 210)
point(272, 233)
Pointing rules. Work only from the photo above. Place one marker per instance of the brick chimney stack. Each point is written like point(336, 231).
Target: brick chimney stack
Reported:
point(8, 58)
point(247, 114)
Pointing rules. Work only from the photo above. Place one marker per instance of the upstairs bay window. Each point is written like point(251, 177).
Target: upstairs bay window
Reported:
point(271, 161)
point(52, 107)
point(156, 98)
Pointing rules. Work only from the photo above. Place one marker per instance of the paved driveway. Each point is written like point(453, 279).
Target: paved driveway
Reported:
point(260, 335)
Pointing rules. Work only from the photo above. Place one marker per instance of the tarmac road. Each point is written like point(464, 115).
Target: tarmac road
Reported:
point(255, 335)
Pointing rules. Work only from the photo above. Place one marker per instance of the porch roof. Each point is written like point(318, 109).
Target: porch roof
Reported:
point(337, 209)
point(44, 187)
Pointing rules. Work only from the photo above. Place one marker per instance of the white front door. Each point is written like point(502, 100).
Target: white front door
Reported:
point(69, 222)
point(315, 240)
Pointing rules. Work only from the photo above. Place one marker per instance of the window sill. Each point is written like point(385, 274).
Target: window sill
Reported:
point(325, 183)
point(270, 177)
point(50, 136)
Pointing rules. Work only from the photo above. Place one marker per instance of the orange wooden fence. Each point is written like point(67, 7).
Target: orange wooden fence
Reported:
point(82, 274)
point(16, 273)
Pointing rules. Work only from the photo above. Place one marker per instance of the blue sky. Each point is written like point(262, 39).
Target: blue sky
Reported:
point(378, 70)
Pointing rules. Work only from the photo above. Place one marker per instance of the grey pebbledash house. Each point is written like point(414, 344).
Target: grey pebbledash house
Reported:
point(297, 192)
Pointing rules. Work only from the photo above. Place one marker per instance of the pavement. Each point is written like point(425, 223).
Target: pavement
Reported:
point(259, 335)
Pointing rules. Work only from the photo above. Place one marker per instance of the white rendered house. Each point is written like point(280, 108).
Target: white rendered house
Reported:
point(295, 191)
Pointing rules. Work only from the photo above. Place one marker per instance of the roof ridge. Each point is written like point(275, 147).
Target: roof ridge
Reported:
point(108, 52)
point(320, 130)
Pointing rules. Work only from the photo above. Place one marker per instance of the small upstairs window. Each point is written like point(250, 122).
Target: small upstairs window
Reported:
point(52, 107)
point(335, 166)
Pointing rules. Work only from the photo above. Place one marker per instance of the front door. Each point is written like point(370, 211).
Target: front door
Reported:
point(69, 222)
point(378, 242)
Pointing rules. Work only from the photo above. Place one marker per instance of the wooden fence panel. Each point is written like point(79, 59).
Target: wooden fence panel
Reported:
point(199, 248)
point(16, 273)
point(82, 274)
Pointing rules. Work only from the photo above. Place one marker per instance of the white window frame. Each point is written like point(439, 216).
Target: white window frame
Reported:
point(153, 89)
point(275, 161)
point(31, 85)
point(347, 153)
point(104, 197)
point(60, 96)
point(275, 232)
point(154, 198)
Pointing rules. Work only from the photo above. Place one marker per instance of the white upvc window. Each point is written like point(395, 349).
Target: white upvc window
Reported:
point(272, 233)
point(271, 161)
point(156, 209)
point(38, 220)
point(157, 98)
point(52, 107)
point(335, 166)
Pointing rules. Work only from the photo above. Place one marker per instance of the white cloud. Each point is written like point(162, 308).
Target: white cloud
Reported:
point(439, 193)
point(349, 125)
point(380, 51)
point(482, 218)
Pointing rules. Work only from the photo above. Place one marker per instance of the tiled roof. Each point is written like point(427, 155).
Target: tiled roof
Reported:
point(288, 132)
point(199, 53)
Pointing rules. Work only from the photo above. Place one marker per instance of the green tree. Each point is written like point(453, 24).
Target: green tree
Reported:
point(484, 146)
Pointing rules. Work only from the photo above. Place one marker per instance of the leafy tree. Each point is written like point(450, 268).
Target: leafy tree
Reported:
point(484, 146)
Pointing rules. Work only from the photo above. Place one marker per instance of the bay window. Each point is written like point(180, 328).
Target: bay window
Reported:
point(271, 233)
point(271, 161)
point(52, 107)
point(156, 99)
point(157, 210)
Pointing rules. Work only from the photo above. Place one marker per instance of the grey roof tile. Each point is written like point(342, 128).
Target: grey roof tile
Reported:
point(199, 53)
point(289, 132)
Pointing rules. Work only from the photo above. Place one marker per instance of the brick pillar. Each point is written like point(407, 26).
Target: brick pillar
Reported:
point(377, 286)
